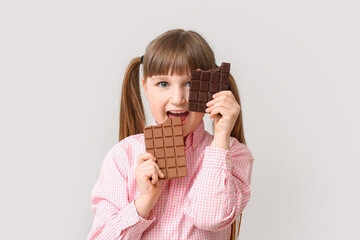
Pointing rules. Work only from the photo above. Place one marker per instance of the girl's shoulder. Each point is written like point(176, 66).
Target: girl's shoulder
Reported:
point(124, 153)
point(132, 139)
point(130, 143)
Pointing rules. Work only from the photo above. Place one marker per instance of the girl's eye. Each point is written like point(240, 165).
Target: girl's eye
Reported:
point(162, 84)
point(188, 84)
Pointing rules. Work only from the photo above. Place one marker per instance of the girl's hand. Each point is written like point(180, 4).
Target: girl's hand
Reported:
point(147, 175)
point(224, 103)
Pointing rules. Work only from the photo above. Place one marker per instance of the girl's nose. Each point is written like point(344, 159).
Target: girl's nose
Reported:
point(179, 96)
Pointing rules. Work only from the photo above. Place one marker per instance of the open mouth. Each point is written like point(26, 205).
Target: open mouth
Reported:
point(176, 113)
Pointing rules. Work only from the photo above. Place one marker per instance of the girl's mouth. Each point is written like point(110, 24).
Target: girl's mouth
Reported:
point(182, 114)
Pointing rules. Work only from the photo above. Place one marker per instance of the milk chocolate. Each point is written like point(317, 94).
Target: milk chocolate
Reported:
point(166, 142)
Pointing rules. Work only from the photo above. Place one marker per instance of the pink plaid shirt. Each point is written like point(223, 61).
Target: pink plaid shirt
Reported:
point(201, 205)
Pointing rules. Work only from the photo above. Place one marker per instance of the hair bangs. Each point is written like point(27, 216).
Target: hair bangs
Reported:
point(168, 61)
point(177, 52)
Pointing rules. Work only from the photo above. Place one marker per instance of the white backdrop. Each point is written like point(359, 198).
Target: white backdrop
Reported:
point(297, 68)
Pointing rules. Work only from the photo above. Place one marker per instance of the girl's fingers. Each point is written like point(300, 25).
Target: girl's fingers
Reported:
point(144, 157)
point(153, 167)
point(224, 93)
point(213, 101)
point(145, 160)
point(150, 173)
point(149, 159)
point(154, 175)
point(221, 110)
point(221, 98)
point(160, 173)
point(223, 103)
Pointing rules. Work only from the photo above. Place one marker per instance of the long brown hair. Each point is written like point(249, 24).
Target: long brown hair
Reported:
point(173, 52)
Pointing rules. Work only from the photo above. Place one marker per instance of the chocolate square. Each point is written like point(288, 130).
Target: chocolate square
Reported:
point(169, 142)
point(167, 131)
point(195, 74)
point(205, 76)
point(193, 96)
point(204, 86)
point(194, 84)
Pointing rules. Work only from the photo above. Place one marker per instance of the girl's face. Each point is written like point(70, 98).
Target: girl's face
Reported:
point(168, 96)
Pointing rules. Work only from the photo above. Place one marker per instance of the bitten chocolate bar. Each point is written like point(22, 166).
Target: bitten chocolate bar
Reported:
point(205, 83)
point(166, 143)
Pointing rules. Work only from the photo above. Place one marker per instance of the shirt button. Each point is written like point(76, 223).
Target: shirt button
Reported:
point(175, 199)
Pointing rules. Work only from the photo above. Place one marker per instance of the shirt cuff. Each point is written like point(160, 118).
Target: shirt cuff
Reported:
point(217, 158)
point(130, 217)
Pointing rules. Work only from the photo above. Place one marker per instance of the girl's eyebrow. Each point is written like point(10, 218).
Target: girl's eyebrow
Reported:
point(163, 78)
point(160, 77)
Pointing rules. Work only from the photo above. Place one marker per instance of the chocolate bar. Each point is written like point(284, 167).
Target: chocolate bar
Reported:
point(205, 83)
point(166, 143)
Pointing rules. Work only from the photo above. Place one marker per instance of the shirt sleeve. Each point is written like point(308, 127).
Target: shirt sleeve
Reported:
point(115, 217)
point(222, 188)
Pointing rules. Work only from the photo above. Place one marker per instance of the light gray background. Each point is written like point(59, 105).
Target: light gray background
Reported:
point(297, 68)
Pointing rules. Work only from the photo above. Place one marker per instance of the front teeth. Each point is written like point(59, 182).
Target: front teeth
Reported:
point(178, 112)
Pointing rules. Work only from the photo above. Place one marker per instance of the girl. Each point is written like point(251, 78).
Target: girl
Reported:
point(130, 200)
